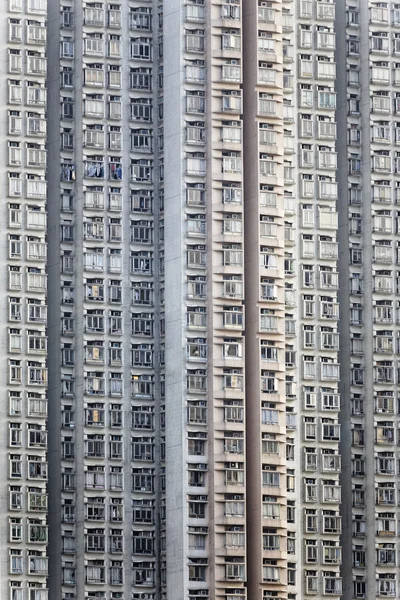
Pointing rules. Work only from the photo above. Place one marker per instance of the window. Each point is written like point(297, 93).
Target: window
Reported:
point(197, 569)
point(141, 48)
point(195, 40)
point(195, 71)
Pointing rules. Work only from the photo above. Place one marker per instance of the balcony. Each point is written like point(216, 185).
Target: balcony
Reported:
point(327, 129)
point(326, 70)
point(328, 280)
point(94, 169)
point(325, 11)
point(266, 76)
point(331, 494)
point(37, 376)
point(386, 588)
point(328, 190)
point(15, 63)
point(384, 403)
point(326, 40)
point(332, 555)
point(269, 323)
point(329, 310)
point(36, 219)
point(195, 167)
point(93, 138)
point(94, 200)
point(386, 527)
point(230, 41)
point(383, 344)
point(194, 43)
point(36, 65)
point(37, 502)
point(384, 374)
point(381, 163)
point(383, 285)
point(37, 313)
point(36, 282)
point(36, 34)
point(93, 47)
point(330, 401)
point(332, 525)
point(36, 158)
point(380, 75)
point(330, 371)
point(330, 432)
point(327, 160)
point(332, 586)
point(232, 383)
point(328, 218)
point(95, 386)
point(383, 254)
point(36, 95)
point(196, 384)
point(267, 107)
point(384, 435)
point(36, 126)
point(326, 100)
point(269, 385)
point(331, 463)
point(386, 557)
point(231, 164)
point(114, 18)
point(329, 341)
point(37, 534)
point(94, 17)
point(94, 77)
point(37, 565)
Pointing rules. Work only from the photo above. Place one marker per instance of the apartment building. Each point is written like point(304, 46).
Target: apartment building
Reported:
point(369, 136)
point(107, 385)
point(205, 321)
point(203, 192)
point(24, 499)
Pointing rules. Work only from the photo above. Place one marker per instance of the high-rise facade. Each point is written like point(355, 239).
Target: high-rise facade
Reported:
point(107, 381)
point(368, 69)
point(24, 466)
point(200, 299)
